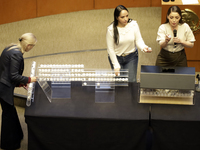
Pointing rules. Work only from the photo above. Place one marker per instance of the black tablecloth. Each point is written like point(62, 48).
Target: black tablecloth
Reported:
point(80, 123)
point(176, 127)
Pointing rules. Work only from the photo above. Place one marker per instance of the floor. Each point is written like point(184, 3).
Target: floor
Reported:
point(20, 111)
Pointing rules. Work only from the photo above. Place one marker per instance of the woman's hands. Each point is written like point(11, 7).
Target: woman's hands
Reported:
point(184, 43)
point(117, 71)
point(167, 39)
point(33, 79)
point(147, 49)
point(25, 87)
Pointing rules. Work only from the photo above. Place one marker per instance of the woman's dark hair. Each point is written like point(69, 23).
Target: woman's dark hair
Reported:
point(117, 11)
point(174, 9)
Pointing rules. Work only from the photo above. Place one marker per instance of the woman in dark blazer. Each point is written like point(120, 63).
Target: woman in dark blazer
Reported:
point(11, 69)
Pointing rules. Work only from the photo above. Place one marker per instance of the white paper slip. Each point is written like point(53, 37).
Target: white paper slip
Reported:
point(187, 2)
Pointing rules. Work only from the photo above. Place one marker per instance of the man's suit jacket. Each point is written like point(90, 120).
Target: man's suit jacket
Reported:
point(11, 69)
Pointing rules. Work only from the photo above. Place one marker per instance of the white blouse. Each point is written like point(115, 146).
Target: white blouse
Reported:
point(183, 32)
point(129, 38)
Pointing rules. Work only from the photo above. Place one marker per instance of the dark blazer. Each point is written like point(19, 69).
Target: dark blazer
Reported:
point(11, 69)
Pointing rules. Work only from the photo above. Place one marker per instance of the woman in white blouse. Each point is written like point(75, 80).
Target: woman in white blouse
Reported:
point(173, 36)
point(123, 35)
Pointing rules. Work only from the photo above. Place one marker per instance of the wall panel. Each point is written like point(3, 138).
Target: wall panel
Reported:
point(155, 3)
point(195, 64)
point(16, 10)
point(102, 4)
point(51, 7)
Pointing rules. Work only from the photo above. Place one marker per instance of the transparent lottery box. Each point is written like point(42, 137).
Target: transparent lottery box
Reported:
point(56, 80)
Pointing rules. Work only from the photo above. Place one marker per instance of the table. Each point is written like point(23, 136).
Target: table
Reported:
point(80, 123)
point(176, 126)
